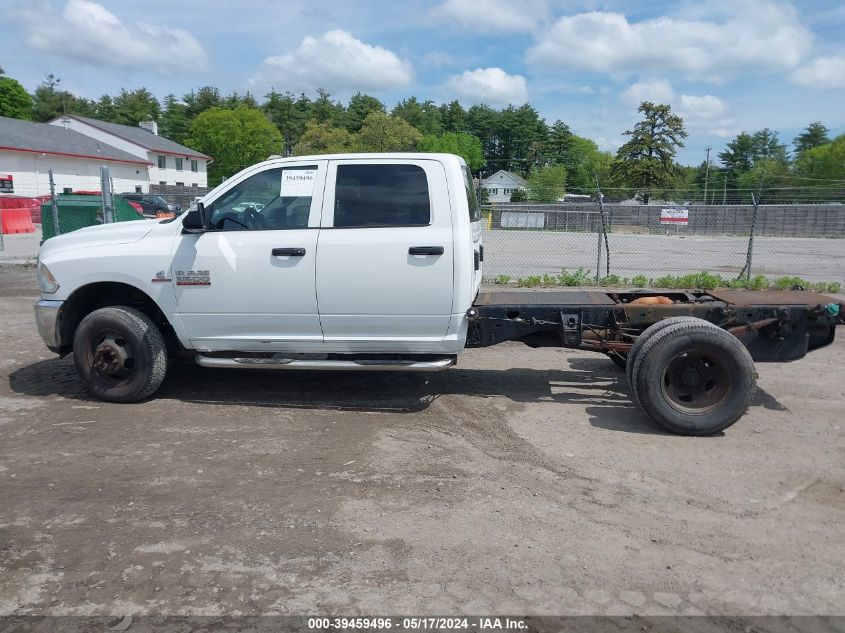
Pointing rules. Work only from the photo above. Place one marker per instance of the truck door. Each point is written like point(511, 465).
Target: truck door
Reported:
point(248, 284)
point(385, 256)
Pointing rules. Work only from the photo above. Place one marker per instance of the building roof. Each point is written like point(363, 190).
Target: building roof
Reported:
point(502, 174)
point(26, 136)
point(139, 136)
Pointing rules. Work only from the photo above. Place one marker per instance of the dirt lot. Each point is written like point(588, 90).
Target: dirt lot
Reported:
point(521, 481)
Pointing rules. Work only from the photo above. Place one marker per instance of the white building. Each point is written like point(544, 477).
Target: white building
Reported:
point(169, 162)
point(29, 150)
point(501, 185)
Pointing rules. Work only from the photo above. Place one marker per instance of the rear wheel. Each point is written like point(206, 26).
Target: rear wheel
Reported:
point(693, 378)
point(120, 354)
point(644, 338)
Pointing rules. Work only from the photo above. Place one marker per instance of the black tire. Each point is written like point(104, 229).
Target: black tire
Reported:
point(120, 354)
point(694, 378)
point(642, 339)
point(620, 359)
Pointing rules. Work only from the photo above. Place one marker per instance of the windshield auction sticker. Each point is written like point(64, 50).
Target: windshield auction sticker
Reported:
point(298, 182)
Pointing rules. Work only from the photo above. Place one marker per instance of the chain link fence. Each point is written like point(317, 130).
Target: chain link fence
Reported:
point(526, 241)
point(178, 195)
point(30, 216)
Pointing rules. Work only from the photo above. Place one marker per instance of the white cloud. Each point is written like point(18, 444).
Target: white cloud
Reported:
point(699, 112)
point(489, 85)
point(337, 61)
point(756, 34)
point(655, 90)
point(493, 15)
point(707, 113)
point(702, 108)
point(822, 72)
point(88, 32)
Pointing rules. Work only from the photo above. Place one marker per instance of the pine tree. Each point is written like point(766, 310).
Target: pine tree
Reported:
point(647, 160)
point(814, 135)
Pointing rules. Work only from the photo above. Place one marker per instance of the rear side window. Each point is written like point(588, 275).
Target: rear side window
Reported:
point(472, 199)
point(381, 195)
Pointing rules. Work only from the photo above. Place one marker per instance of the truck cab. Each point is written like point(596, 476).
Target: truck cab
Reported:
point(360, 253)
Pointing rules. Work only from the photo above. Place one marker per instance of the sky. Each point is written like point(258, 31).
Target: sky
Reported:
point(724, 65)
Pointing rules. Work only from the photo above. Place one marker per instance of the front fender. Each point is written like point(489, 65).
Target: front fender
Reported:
point(144, 265)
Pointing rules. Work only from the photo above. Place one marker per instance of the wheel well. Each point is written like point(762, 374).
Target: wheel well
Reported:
point(88, 298)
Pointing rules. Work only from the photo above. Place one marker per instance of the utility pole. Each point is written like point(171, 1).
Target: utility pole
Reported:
point(706, 174)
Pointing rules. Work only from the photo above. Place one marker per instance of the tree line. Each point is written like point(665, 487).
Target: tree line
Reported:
point(239, 130)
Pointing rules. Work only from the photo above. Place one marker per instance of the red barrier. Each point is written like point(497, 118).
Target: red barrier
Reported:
point(17, 221)
point(18, 214)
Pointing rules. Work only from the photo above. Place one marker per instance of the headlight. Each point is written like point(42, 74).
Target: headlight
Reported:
point(46, 281)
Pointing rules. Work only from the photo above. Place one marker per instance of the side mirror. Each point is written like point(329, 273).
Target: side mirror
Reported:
point(195, 221)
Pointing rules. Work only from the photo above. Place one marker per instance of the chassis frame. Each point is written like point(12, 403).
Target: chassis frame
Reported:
point(775, 326)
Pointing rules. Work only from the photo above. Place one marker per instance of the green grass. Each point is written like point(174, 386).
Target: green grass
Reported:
point(697, 281)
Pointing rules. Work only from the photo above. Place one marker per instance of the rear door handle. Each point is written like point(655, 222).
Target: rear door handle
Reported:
point(292, 252)
point(425, 250)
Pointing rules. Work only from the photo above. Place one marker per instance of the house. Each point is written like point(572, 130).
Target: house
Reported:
point(170, 163)
point(29, 150)
point(501, 185)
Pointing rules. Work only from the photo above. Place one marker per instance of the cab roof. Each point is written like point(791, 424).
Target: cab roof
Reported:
point(447, 158)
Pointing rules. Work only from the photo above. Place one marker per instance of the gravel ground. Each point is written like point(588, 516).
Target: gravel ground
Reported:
point(521, 481)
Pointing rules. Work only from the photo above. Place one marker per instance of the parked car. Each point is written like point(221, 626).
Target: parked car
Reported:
point(151, 204)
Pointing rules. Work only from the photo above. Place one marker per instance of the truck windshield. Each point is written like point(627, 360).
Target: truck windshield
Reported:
point(472, 199)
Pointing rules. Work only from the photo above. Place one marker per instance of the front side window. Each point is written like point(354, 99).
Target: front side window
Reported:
point(277, 198)
point(178, 164)
point(381, 195)
point(162, 162)
point(193, 165)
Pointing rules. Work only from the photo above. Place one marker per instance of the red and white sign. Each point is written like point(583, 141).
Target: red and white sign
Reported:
point(7, 184)
point(678, 217)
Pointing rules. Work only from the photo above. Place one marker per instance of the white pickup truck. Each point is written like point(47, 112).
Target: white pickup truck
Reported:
point(374, 262)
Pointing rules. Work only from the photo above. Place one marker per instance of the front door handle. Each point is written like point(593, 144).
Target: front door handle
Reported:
point(425, 250)
point(292, 252)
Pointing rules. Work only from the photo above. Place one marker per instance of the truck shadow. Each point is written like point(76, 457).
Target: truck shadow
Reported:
point(593, 383)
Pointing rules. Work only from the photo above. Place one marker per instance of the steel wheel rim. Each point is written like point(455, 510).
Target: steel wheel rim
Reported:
point(112, 357)
point(695, 382)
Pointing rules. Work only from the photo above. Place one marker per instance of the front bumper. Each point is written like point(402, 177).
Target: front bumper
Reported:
point(47, 320)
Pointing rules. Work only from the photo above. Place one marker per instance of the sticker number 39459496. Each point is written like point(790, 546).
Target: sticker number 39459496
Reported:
point(298, 182)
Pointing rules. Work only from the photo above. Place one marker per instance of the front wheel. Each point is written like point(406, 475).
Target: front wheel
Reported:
point(120, 354)
point(694, 378)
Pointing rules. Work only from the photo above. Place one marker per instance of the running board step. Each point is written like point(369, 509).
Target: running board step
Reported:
point(343, 365)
